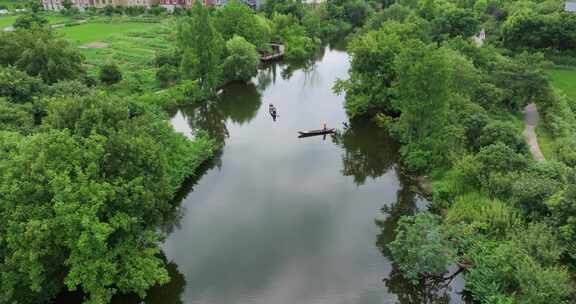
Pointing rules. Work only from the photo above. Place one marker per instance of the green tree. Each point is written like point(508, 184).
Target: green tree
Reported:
point(201, 48)
point(108, 10)
point(41, 53)
point(504, 132)
point(17, 118)
point(372, 72)
point(563, 209)
point(356, 12)
point(86, 216)
point(422, 86)
point(287, 7)
point(455, 22)
point(18, 86)
point(298, 46)
point(166, 74)
point(67, 4)
point(68, 88)
point(156, 10)
point(34, 5)
point(502, 269)
point(237, 19)
point(422, 248)
point(523, 79)
point(528, 29)
point(110, 74)
point(242, 61)
point(29, 21)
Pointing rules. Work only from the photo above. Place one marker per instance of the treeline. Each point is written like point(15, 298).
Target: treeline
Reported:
point(215, 46)
point(87, 176)
point(455, 103)
point(90, 165)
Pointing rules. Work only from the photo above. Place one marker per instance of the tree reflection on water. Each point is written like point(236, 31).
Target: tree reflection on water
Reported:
point(408, 203)
point(369, 152)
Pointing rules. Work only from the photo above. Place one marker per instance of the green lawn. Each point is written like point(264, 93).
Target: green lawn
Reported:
point(546, 141)
point(56, 19)
point(6, 21)
point(92, 32)
point(564, 80)
point(132, 45)
point(11, 3)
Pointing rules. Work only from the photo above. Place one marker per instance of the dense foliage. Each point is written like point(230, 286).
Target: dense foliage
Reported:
point(39, 52)
point(422, 69)
point(201, 38)
point(201, 47)
point(110, 74)
point(88, 175)
point(242, 62)
point(89, 171)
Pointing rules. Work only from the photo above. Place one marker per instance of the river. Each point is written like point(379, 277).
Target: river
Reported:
point(277, 219)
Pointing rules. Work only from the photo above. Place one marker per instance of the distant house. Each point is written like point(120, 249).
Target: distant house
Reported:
point(255, 4)
point(570, 6)
point(56, 5)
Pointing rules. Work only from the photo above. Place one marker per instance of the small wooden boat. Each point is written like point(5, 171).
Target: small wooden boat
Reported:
point(316, 132)
point(273, 113)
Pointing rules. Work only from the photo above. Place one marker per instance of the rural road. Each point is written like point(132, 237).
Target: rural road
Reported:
point(530, 122)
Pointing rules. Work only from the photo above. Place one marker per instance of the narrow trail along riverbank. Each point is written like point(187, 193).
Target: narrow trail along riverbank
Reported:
point(531, 118)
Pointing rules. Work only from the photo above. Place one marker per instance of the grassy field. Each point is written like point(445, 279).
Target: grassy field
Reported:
point(11, 3)
point(99, 31)
point(6, 21)
point(131, 45)
point(564, 80)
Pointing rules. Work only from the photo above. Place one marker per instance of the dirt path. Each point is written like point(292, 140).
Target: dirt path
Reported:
point(530, 122)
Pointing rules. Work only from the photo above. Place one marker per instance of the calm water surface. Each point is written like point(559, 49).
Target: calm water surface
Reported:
point(284, 220)
point(276, 219)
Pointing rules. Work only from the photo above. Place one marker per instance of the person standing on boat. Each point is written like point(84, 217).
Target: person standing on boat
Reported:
point(272, 110)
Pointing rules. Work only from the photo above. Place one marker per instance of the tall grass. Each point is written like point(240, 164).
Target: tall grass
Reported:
point(491, 215)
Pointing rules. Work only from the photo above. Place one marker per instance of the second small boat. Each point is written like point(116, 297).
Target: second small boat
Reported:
point(316, 132)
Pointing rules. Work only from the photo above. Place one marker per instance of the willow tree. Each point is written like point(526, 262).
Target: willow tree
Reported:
point(422, 87)
point(201, 47)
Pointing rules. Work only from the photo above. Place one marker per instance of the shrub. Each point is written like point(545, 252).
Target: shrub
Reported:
point(530, 191)
point(499, 157)
point(502, 270)
point(167, 58)
point(110, 74)
point(156, 10)
point(422, 247)
point(166, 74)
point(29, 21)
point(502, 132)
point(493, 216)
point(299, 48)
point(468, 172)
point(15, 117)
point(539, 241)
point(416, 159)
point(108, 10)
point(17, 86)
point(242, 61)
point(68, 88)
